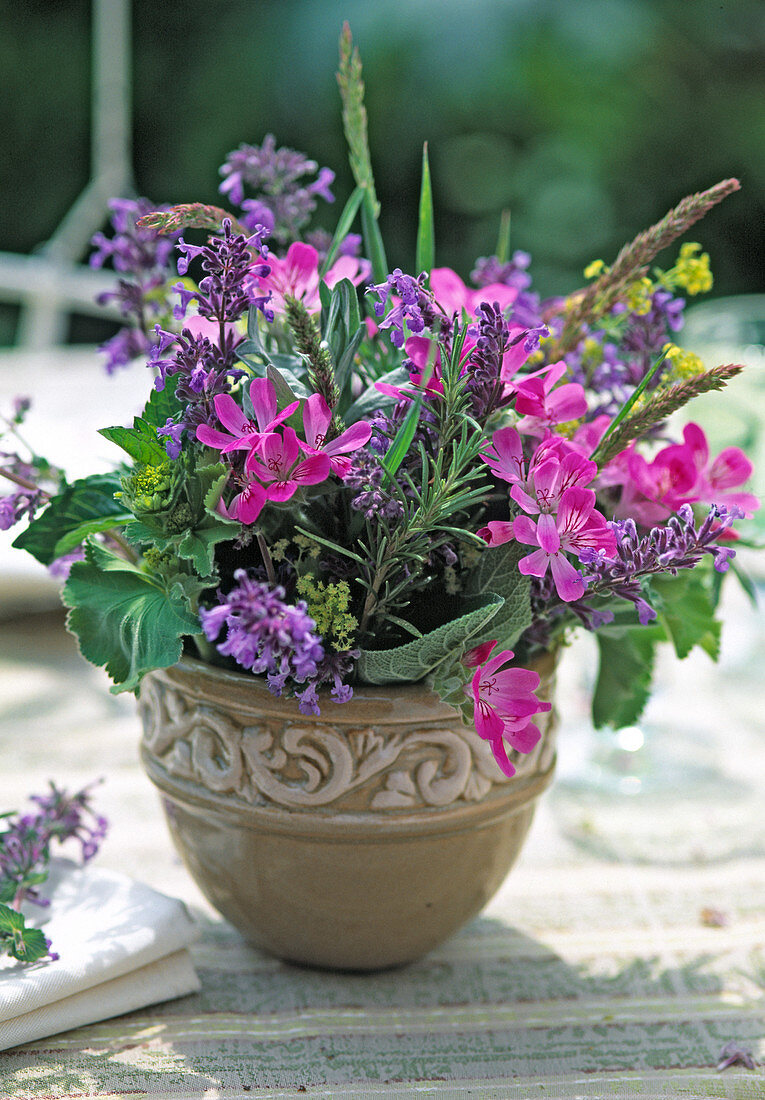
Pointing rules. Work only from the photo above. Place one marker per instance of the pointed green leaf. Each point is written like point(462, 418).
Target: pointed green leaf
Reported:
point(373, 242)
point(140, 442)
point(396, 453)
point(414, 660)
point(343, 228)
point(425, 233)
point(686, 607)
point(123, 619)
point(503, 238)
point(162, 404)
point(624, 676)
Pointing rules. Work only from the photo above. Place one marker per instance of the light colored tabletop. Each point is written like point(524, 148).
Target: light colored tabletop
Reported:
point(625, 949)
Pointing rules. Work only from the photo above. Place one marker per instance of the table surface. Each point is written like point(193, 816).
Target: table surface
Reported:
point(624, 950)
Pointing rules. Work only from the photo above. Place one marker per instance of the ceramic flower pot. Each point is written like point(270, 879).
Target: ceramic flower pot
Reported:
point(358, 840)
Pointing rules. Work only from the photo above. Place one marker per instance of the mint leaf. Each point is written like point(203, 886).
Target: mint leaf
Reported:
point(414, 660)
point(22, 943)
point(624, 675)
point(81, 509)
point(124, 620)
point(497, 571)
point(686, 607)
point(140, 442)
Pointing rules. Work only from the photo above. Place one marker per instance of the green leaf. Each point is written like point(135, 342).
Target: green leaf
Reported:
point(686, 607)
point(140, 442)
point(624, 677)
point(162, 404)
point(343, 226)
point(17, 940)
point(497, 571)
point(123, 619)
point(502, 251)
point(414, 660)
point(84, 507)
point(373, 242)
point(396, 453)
point(425, 256)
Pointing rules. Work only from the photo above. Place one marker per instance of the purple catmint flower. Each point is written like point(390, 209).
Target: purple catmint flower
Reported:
point(284, 195)
point(25, 843)
point(678, 544)
point(229, 286)
point(484, 365)
point(415, 308)
point(18, 506)
point(489, 269)
point(143, 257)
point(264, 634)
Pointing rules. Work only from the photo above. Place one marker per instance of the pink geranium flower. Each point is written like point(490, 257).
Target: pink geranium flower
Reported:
point(243, 433)
point(578, 525)
point(317, 417)
point(297, 276)
point(541, 404)
point(281, 471)
point(248, 503)
point(454, 296)
point(548, 481)
point(503, 701)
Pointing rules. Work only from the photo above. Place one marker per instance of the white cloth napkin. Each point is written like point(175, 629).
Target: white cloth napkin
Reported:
point(121, 946)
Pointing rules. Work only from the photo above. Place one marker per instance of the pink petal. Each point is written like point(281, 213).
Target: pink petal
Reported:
point(488, 723)
point(696, 441)
point(525, 530)
point(476, 656)
point(500, 755)
point(317, 417)
point(576, 505)
point(497, 532)
point(730, 468)
point(522, 498)
point(280, 491)
point(312, 470)
point(249, 503)
point(568, 581)
point(534, 565)
point(449, 289)
point(568, 402)
point(229, 414)
point(547, 533)
point(356, 436)
point(524, 740)
point(211, 437)
point(263, 398)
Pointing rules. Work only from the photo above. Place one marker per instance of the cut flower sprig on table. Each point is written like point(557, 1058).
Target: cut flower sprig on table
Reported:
point(349, 474)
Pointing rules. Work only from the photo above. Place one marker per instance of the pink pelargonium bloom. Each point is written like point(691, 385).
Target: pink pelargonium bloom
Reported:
point(297, 276)
point(541, 404)
point(549, 479)
point(243, 433)
point(712, 481)
point(503, 701)
point(248, 503)
point(680, 473)
point(281, 470)
point(577, 526)
point(317, 417)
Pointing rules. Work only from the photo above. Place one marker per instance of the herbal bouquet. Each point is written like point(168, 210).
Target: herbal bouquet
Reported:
point(349, 475)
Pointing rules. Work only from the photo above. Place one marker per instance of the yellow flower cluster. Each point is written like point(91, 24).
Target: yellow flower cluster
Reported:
point(684, 363)
point(638, 297)
point(328, 607)
point(595, 269)
point(692, 271)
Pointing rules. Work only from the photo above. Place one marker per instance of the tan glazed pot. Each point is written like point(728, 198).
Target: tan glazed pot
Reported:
point(356, 840)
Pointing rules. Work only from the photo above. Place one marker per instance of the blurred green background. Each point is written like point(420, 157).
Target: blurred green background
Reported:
point(588, 119)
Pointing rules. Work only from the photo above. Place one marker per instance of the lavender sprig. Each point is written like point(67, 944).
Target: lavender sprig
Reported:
point(679, 544)
point(25, 846)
